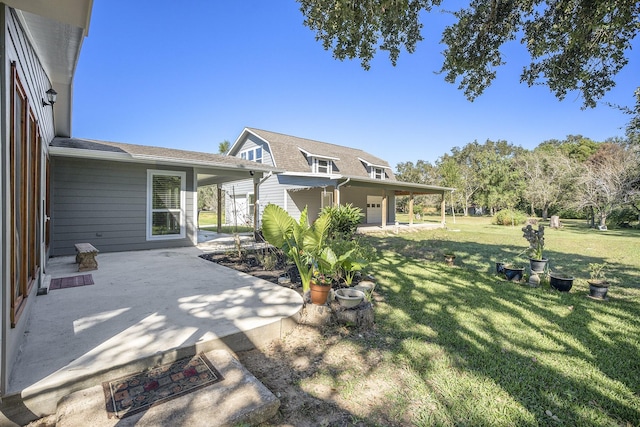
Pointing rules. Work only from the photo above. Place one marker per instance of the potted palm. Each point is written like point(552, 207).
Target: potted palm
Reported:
point(537, 262)
point(598, 284)
point(302, 243)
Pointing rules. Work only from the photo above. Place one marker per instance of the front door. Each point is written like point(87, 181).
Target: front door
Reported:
point(374, 209)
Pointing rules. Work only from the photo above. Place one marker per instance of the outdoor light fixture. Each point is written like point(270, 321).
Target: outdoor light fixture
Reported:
point(51, 97)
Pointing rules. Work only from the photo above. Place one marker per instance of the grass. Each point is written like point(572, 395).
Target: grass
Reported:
point(208, 221)
point(461, 346)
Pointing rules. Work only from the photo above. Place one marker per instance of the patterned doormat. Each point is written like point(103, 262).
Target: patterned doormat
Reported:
point(71, 281)
point(138, 392)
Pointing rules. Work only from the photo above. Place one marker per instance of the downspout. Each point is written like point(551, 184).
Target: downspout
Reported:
point(338, 188)
point(256, 214)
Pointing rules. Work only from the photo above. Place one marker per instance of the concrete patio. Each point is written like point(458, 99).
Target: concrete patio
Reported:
point(145, 308)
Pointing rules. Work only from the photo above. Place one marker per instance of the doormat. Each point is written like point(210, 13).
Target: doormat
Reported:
point(138, 392)
point(71, 282)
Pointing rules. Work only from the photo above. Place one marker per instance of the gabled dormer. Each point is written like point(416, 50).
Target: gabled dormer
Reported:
point(320, 164)
point(375, 171)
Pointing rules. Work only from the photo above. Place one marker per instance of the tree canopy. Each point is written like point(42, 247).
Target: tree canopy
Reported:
point(576, 45)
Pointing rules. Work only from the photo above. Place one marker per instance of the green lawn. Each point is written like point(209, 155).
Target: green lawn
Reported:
point(462, 346)
point(209, 220)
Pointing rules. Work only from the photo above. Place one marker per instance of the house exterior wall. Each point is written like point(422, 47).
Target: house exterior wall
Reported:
point(35, 82)
point(251, 142)
point(105, 203)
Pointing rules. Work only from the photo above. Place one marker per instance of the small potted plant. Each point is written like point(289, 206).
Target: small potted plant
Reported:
point(320, 286)
point(535, 238)
point(598, 284)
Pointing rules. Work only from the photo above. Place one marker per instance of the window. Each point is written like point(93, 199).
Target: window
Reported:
point(165, 204)
point(377, 173)
point(322, 165)
point(253, 154)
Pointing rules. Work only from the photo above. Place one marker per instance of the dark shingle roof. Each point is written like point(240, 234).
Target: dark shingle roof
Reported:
point(286, 152)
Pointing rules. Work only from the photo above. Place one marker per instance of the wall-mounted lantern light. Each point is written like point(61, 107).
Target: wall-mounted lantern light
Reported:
point(51, 97)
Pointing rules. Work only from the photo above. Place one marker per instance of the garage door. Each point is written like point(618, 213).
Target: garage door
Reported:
point(374, 209)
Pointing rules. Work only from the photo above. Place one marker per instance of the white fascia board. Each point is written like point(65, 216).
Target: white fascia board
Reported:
point(234, 148)
point(312, 175)
point(368, 163)
point(317, 156)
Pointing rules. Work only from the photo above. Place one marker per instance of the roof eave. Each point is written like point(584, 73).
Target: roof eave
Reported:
point(137, 158)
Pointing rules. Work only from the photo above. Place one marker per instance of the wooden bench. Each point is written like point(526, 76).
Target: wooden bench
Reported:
point(86, 256)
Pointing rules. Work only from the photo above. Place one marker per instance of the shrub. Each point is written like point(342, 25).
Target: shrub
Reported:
point(509, 217)
point(343, 221)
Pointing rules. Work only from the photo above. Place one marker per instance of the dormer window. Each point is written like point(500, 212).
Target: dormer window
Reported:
point(320, 163)
point(377, 173)
point(253, 154)
point(324, 166)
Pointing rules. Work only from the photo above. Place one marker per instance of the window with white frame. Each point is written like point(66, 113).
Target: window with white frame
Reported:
point(377, 173)
point(322, 165)
point(254, 154)
point(165, 204)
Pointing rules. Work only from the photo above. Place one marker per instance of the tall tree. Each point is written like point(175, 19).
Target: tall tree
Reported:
point(610, 179)
point(549, 175)
point(224, 146)
point(572, 44)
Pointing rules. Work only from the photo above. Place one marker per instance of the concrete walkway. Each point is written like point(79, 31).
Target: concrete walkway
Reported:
point(145, 308)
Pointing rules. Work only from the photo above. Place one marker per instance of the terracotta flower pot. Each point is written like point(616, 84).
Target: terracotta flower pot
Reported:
point(319, 293)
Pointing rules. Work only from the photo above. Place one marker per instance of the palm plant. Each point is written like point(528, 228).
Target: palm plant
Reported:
point(304, 244)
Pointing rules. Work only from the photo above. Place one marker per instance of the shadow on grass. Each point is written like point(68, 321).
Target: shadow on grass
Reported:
point(559, 357)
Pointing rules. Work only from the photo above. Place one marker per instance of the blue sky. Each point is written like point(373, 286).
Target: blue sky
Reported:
point(194, 75)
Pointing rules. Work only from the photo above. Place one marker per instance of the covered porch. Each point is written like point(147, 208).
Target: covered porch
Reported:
point(396, 188)
point(144, 308)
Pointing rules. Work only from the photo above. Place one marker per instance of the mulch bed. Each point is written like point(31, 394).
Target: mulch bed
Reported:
point(250, 263)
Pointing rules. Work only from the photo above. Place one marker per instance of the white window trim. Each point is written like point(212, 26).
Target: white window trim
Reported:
point(315, 161)
point(183, 201)
point(254, 149)
point(374, 171)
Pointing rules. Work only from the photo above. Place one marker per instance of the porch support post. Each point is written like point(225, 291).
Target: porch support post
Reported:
point(384, 209)
point(442, 208)
point(410, 208)
point(336, 196)
point(219, 225)
point(256, 203)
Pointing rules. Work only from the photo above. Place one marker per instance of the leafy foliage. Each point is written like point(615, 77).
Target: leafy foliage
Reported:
point(343, 220)
point(353, 29)
point(509, 217)
point(300, 242)
point(573, 45)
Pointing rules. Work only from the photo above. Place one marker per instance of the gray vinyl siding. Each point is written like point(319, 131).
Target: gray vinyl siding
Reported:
point(252, 142)
point(105, 203)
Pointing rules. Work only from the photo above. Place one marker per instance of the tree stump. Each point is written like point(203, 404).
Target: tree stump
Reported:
point(360, 316)
point(316, 315)
point(554, 222)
